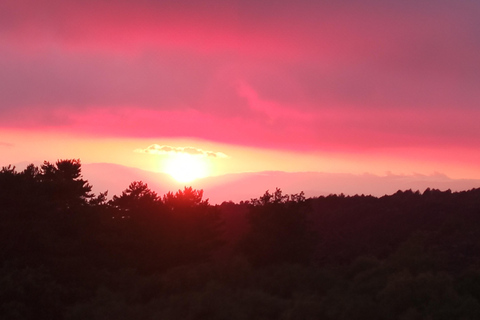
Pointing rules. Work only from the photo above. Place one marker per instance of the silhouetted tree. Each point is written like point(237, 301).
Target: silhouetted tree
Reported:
point(188, 198)
point(64, 184)
point(279, 230)
point(136, 201)
point(10, 190)
point(197, 226)
point(67, 254)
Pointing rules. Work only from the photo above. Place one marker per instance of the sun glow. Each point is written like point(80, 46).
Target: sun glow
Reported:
point(186, 167)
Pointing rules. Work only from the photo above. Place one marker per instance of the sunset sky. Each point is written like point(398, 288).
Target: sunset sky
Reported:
point(376, 87)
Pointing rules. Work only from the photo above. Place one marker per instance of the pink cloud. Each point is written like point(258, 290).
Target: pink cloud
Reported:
point(293, 75)
point(327, 130)
point(132, 26)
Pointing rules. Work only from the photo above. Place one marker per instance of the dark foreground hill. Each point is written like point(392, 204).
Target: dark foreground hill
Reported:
point(69, 254)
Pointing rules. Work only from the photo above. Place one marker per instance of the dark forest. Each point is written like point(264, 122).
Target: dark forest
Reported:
point(66, 253)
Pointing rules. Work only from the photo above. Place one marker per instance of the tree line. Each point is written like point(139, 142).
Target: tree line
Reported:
point(67, 253)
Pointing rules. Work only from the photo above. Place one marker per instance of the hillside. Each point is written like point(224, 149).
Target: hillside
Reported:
point(69, 254)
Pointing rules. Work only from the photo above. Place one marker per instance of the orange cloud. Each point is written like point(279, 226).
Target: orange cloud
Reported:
point(158, 149)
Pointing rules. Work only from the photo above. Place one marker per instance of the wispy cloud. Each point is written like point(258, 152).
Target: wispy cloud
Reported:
point(158, 149)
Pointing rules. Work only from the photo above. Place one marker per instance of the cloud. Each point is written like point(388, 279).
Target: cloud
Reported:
point(158, 149)
point(313, 75)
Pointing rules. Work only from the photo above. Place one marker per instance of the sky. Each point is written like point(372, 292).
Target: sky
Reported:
point(372, 86)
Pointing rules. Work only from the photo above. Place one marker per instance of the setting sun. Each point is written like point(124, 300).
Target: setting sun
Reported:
point(186, 167)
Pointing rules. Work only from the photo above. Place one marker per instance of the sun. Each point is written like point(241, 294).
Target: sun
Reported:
point(185, 167)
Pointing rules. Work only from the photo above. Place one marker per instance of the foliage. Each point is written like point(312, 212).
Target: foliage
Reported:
point(188, 198)
point(136, 201)
point(279, 230)
point(66, 253)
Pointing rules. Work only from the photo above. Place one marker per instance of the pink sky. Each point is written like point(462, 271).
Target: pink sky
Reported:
point(357, 82)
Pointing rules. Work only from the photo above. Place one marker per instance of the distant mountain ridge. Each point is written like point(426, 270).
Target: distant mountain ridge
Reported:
point(238, 187)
